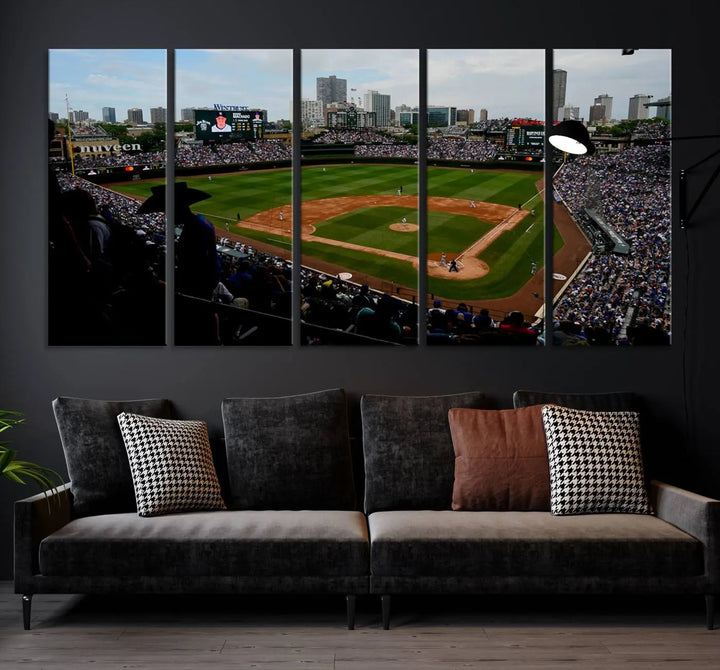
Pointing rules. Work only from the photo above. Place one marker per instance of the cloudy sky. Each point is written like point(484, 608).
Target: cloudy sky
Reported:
point(505, 82)
point(254, 78)
point(97, 78)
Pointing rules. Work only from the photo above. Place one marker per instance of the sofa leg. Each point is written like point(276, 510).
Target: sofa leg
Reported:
point(385, 603)
point(350, 602)
point(710, 611)
point(26, 606)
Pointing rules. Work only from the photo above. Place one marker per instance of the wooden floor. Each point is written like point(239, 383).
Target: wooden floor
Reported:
point(178, 633)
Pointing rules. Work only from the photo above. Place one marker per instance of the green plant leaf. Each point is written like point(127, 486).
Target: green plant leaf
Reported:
point(13, 477)
point(6, 457)
point(19, 471)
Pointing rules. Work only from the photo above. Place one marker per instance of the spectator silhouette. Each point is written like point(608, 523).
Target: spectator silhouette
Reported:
point(197, 264)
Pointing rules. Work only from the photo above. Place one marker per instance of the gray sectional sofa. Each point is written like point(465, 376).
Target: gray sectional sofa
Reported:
point(293, 523)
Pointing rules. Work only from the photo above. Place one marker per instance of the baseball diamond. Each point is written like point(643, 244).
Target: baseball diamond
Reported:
point(354, 220)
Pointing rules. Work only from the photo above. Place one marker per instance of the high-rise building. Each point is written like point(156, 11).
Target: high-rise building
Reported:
point(158, 115)
point(373, 101)
point(559, 88)
point(312, 113)
point(483, 115)
point(79, 115)
point(331, 89)
point(135, 115)
point(108, 115)
point(408, 116)
point(465, 116)
point(54, 117)
point(597, 114)
point(439, 116)
point(186, 114)
point(568, 113)
point(606, 101)
point(637, 108)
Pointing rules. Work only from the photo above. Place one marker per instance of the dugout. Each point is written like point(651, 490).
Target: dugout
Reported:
point(620, 246)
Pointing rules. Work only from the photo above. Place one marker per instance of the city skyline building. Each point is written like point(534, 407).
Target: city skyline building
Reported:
point(440, 116)
point(331, 89)
point(135, 115)
point(559, 91)
point(108, 115)
point(465, 116)
point(79, 115)
point(408, 116)
point(158, 115)
point(638, 106)
point(312, 113)
point(606, 101)
point(568, 113)
point(483, 115)
point(379, 103)
point(597, 114)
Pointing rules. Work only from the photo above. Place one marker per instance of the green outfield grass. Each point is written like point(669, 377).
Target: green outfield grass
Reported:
point(509, 258)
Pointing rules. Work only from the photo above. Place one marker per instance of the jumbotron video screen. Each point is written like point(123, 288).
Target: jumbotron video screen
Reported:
point(247, 124)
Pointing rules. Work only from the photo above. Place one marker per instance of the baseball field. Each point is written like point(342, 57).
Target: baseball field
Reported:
point(354, 220)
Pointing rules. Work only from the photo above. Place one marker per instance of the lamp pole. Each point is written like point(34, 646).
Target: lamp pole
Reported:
point(548, 292)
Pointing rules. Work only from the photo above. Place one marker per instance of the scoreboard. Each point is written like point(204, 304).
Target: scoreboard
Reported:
point(525, 137)
point(226, 125)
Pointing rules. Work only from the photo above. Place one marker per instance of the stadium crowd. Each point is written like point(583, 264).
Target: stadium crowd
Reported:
point(333, 303)
point(446, 148)
point(106, 267)
point(365, 136)
point(617, 292)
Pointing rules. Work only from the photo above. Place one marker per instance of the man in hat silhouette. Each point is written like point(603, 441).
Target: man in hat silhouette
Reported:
point(197, 264)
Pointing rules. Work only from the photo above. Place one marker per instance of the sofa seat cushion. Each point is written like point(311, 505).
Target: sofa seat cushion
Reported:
point(218, 543)
point(500, 544)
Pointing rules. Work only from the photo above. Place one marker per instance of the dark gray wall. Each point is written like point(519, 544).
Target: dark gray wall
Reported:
point(677, 382)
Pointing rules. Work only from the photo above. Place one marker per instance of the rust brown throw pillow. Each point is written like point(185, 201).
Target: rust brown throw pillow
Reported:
point(501, 460)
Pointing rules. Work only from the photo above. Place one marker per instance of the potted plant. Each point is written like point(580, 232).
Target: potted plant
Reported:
point(18, 470)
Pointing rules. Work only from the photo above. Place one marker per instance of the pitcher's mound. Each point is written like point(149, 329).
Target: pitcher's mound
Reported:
point(404, 227)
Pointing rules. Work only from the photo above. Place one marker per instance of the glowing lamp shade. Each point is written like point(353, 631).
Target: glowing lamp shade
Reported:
point(571, 137)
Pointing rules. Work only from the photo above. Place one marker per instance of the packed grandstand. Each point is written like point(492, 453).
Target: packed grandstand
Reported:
point(618, 296)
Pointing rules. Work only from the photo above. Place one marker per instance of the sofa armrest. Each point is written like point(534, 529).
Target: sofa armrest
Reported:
point(697, 515)
point(37, 517)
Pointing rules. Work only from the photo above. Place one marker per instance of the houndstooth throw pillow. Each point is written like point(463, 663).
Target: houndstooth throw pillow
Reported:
point(171, 465)
point(595, 462)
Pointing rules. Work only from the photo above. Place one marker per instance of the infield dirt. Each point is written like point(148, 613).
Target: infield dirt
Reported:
point(528, 299)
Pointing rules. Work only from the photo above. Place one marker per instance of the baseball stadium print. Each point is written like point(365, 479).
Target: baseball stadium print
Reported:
point(234, 233)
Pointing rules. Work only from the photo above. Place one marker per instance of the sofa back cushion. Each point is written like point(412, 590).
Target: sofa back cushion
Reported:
point(501, 460)
point(409, 456)
point(95, 455)
point(597, 402)
point(290, 452)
